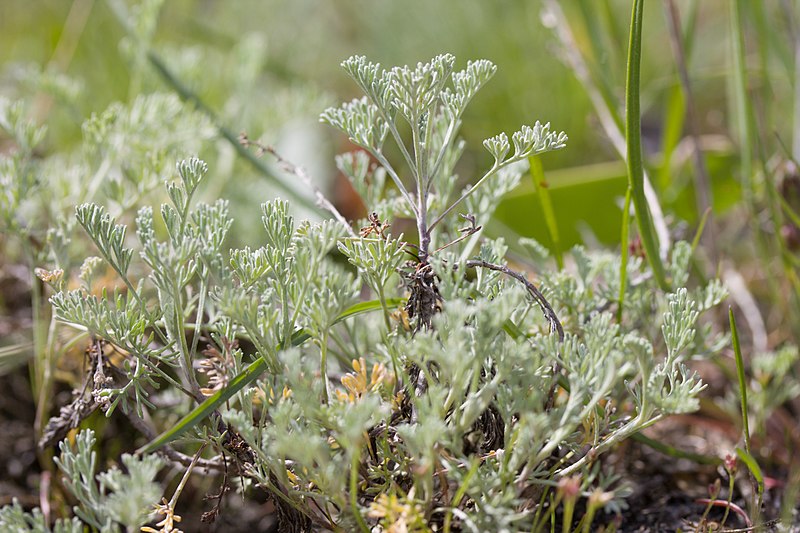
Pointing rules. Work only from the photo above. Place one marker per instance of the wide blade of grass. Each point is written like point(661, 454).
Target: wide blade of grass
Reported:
point(752, 466)
point(633, 137)
point(251, 373)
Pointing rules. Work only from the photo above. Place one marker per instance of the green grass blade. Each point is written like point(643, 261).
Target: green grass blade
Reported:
point(207, 407)
point(512, 329)
point(743, 110)
point(14, 355)
point(755, 470)
point(752, 466)
point(354, 466)
point(367, 307)
point(673, 120)
point(615, 31)
point(213, 402)
point(748, 145)
point(541, 187)
point(633, 137)
point(187, 95)
point(689, 28)
point(790, 213)
point(462, 490)
point(699, 233)
point(623, 253)
point(769, 39)
point(737, 352)
point(671, 451)
point(253, 371)
point(603, 60)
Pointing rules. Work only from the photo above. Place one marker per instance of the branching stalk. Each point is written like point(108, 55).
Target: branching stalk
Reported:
point(544, 305)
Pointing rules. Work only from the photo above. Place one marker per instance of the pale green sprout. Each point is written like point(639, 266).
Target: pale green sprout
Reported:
point(430, 98)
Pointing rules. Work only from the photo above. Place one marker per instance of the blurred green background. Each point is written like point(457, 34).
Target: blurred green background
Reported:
point(269, 67)
point(87, 69)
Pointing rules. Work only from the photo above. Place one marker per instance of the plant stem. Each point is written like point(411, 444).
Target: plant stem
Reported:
point(544, 305)
point(420, 164)
point(737, 352)
point(603, 105)
point(469, 191)
point(633, 135)
point(323, 365)
point(393, 174)
point(354, 464)
point(385, 307)
point(541, 188)
point(623, 253)
point(743, 110)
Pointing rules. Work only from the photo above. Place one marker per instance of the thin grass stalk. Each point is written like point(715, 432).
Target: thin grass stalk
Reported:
point(749, 142)
point(623, 254)
point(633, 136)
point(673, 121)
point(743, 110)
point(260, 167)
point(601, 70)
point(546, 203)
point(737, 352)
point(362, 524)
point(702, 181)
point(688, 33)
point(672, 451)
point(776, 213)
point(459, 495)
point(606, 113)
point(616, 32)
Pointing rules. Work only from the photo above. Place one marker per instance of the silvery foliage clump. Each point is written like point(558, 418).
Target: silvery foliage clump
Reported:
point(352, 413)
point(113, 500)
point(430, 100)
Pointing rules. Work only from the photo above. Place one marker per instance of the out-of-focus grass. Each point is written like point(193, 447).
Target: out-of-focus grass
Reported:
point(206, 41)
point(306, 41)
point(303, 41)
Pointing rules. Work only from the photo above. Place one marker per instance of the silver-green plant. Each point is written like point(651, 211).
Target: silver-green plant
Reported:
point(453, 407)
point(430, 100)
